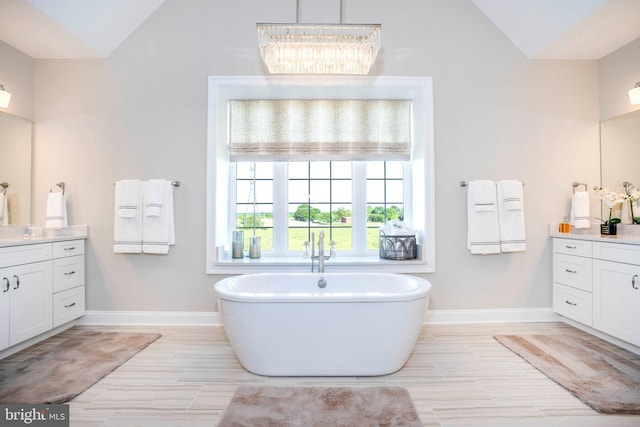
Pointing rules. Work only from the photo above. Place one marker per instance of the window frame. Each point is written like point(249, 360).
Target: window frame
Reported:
point(421, 166)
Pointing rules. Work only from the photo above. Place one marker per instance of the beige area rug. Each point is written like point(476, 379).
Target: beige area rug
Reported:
point(320, 406)
point(61, 367)
point(607, 381)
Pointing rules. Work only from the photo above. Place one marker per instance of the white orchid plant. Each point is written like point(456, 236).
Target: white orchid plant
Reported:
point(611, 199)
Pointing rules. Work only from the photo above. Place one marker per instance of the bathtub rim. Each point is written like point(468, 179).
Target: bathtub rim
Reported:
point(326, 295)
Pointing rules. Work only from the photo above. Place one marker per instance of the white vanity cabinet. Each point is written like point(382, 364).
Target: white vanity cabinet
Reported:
point(26, 287)
point(41, 287)
point(616, 290)
point(572, 279)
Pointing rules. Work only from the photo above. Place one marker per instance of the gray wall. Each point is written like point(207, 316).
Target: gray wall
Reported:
point(142, 113)
point(619, 72)
point(16, 74)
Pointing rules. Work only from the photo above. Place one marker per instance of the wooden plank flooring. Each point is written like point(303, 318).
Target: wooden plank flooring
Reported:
point(457, 375)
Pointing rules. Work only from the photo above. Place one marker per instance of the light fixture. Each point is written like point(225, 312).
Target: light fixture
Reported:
point(5, 97)
point(319, 48)
point(634, 94)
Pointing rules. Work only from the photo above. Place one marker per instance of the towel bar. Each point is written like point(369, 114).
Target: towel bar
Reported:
point(465, 183)
point(4, 186)
point(174, 183)
point(575, 184)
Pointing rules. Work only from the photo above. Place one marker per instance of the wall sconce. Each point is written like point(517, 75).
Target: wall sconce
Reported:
point(634, 94)
point(5, 97)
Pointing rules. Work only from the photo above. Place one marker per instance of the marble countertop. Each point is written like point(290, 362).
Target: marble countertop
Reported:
point(14, 235)
point(629, 234)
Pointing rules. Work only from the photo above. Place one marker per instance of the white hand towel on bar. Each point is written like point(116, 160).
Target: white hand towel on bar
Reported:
point(483, 233)
point(4, 209)
point(154, 197)
point(512, 228)
point(158, 232)
point(56, 211)
point(581, 210)
point(127, 225)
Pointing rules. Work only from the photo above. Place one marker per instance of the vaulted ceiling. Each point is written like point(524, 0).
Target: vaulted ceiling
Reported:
point(541, 29)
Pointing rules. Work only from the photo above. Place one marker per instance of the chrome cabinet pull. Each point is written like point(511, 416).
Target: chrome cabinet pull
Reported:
point(70, 305)
point(6, 282)
point(633, 281)
point(570, 271)
point(570, 303)
point(70, 273)
point(70, 248)
point(17, 282)
point(570, 247)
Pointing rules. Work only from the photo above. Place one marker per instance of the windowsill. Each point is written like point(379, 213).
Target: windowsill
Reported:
point(372, 263)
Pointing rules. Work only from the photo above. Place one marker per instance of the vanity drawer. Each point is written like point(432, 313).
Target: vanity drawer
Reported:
point(573, 271)
point(68, 273)
point(572, 247)
point(68, 248)
point(617, 252)
point(24, 254)
point(573, 303)
point(68, 305)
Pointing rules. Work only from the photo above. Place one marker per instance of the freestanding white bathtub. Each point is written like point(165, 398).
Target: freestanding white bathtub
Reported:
point(284, 324)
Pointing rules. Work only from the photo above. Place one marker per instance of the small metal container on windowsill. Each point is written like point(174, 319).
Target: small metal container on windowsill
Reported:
point(397, 247)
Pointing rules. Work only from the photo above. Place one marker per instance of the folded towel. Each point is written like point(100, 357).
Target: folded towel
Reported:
point(56, 211)
point(158, 232)
point(581, 210)
point(154, 197)
point(512, 227)
point(128, 193)
point(483, 233)
point(127, 226)
point(511, 194)
point(4, 210)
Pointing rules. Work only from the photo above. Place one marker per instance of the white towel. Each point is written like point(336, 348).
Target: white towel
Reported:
point(154, 197)
point(128, 194)
point(4, 209)
point(127, 229)
point(158, 232)
point(483, 233)
point(56, 211)
point(581, 210)
point(512, 227)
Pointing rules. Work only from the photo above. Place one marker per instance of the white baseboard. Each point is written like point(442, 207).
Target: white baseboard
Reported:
point(181, 318)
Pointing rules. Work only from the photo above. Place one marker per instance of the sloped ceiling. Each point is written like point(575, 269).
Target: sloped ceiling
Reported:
point(541, 29)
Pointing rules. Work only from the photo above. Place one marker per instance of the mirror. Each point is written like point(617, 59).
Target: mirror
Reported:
point(620, 156)
point(15, 166)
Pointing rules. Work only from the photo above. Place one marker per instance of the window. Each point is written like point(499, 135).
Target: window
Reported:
point(283, 197)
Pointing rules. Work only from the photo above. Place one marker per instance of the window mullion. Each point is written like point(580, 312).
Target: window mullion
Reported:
point(359, 208)
point(280, 209)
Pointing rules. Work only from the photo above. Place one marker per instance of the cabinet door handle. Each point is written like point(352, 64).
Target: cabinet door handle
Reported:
point(633, 281)
point(70, 273)
point(7, 283)
point(570, 303)
point(17, 282)
point(570, 247)
point(70, 248)
point(70, 305)
point(570, 271)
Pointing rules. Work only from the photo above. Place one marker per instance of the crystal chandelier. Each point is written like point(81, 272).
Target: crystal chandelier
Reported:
point(319, 48)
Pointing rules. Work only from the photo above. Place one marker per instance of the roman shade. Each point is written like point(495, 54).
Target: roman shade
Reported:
point(312, 129)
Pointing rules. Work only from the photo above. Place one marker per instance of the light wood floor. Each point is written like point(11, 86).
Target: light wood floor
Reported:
point(457, 375)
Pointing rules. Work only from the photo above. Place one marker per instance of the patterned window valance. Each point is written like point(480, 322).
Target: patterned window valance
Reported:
point(310, 129)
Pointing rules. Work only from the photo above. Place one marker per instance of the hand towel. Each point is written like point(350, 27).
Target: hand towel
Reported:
point(483, 233)
point(128, 193)
point(154, 197)
point(158, 232)
point(512, 226)
point(56, 211)
point(127, 226)
point(4, 209)
point(581, 210)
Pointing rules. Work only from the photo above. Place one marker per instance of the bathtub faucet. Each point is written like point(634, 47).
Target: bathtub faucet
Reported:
point(321, 256)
